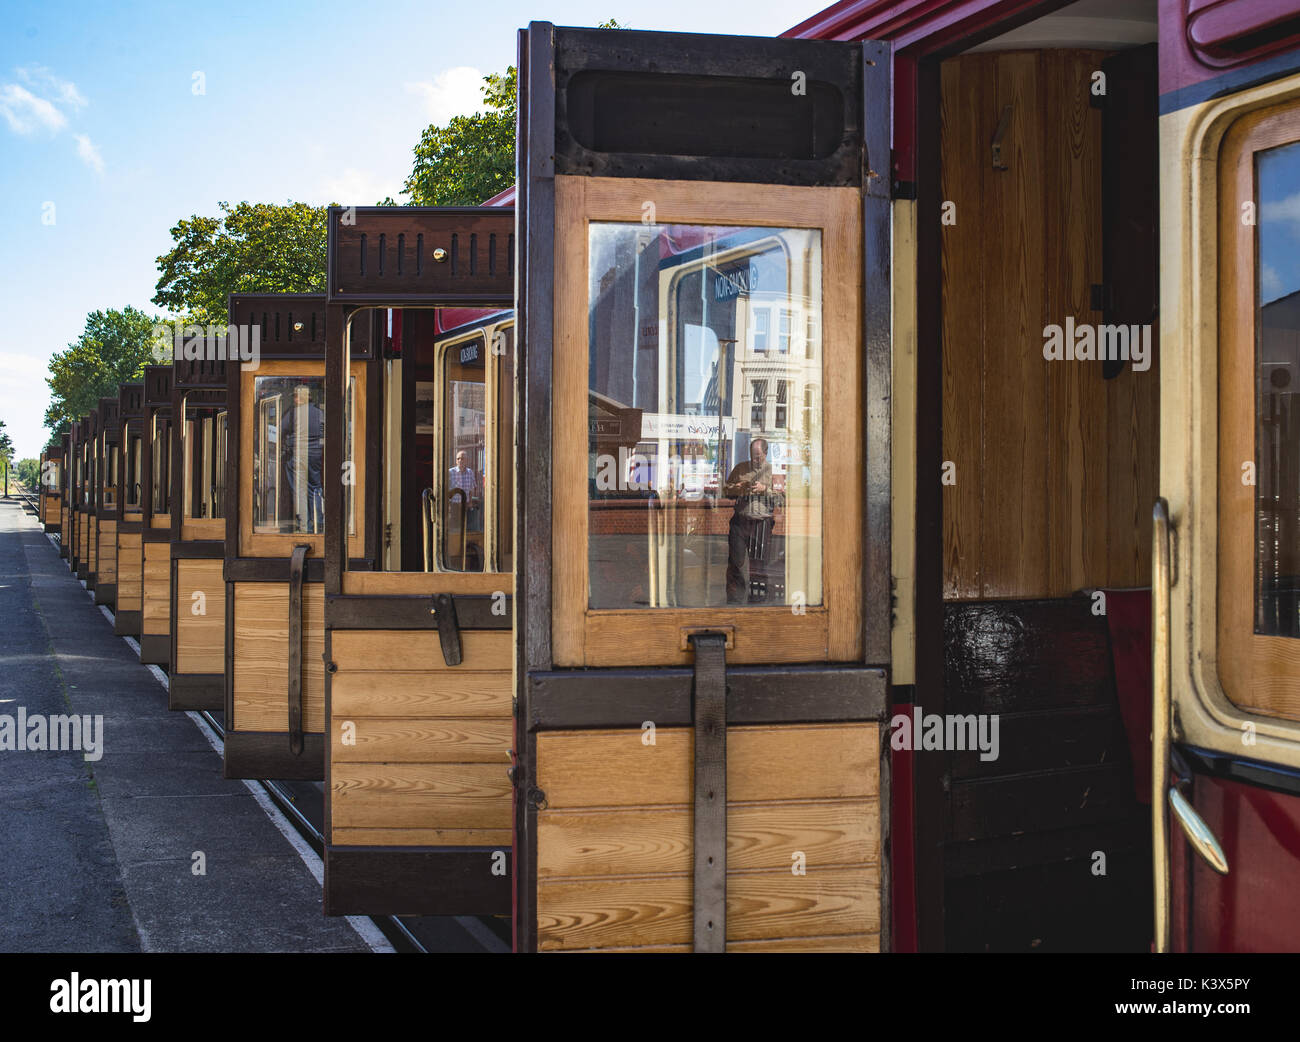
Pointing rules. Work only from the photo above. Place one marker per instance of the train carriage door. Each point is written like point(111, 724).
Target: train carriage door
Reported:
point(418, 638)
point(1226, 596)
point(704, 493)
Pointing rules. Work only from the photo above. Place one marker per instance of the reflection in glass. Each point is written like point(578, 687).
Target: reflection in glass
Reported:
point(288, 454)
point(133, 486)
point(160, 456)
point(1277, 383)
point(704, 486)
point(464, 455)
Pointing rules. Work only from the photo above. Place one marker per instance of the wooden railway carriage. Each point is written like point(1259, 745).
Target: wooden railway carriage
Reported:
point(275, 535)
point(51, 488)
point(195, 477)
point(127, 481)
point(156, 518)
point(108, 499)
point(86, 501)
point(418, 624)
point(76, 497)
point(65, 496)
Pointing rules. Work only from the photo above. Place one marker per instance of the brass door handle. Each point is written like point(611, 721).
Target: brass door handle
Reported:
point(1198, 833)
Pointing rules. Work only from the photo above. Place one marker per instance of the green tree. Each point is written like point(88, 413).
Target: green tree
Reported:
point(29, 473)
point(247, 248)
point(472, 158)
point(113, 348)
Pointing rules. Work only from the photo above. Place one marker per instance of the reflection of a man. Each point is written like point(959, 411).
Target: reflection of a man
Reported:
point(749, 541)
point(462, 477)
point(302, 453)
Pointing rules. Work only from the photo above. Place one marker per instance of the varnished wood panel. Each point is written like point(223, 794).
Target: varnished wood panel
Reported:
point(130, 566)
point(419, 650)
point(156, 593)
point(455, 693)
point(614, 836)
point(1055, 466)
point(421, 837)
point(106, 561)
point(198, 528)
point(400, 796)
point(200, 638)
point(384, 740)
point(261, 639)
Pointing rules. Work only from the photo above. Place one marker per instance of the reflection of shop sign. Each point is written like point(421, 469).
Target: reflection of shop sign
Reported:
point(655, 425)
point(727, 285)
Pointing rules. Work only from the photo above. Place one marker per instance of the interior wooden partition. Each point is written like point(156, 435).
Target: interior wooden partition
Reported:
point(275, 594)
point(108, 500)
point(629, 721)
point(155, 526)
point(128, 560)
point(417, 694)
point(197, 597)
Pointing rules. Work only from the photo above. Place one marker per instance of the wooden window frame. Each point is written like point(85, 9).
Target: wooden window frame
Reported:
point(1258, 673)
point(281, 544)
point(829, 632)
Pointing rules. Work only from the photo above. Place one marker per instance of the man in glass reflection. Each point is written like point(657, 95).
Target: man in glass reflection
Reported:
point(302, 455)
point(749, 541)
point(462, 477)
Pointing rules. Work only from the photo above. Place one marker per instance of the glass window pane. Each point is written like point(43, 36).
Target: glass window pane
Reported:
point(502, 474)
point(288, 454)
point(134, 484)
point(464, 462)
point(161, 476)
point(1277, 381)
point(699, 495)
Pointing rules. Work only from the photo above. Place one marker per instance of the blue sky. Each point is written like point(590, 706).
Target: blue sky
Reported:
point(100, 116)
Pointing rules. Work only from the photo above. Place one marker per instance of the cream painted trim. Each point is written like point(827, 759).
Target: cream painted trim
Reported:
point(1190, 140)
point(902, 425)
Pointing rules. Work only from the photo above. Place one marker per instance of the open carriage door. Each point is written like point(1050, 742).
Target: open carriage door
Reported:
point(704, 488)
point(1226, 576)
point(418, 612)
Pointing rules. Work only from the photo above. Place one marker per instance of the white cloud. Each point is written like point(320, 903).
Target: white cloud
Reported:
point(88, 153)
point(453, 92)
point(24, 111)
point(353, 187)
point(65, 92)
point(1271, 283)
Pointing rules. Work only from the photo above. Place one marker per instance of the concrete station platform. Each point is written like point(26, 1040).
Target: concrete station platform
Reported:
point(100, 856)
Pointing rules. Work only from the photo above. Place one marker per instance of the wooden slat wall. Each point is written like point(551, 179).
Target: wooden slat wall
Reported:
point(261, 666)
point(106, 565)
point(156, 595)
point(129, 571)
point(432, 741)
point(1055, 467)
point(614, 840)
point(201, 638)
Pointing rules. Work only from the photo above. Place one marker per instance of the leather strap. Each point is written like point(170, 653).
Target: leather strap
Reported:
point(710, 714)
point(444, 609)
point(296, 566)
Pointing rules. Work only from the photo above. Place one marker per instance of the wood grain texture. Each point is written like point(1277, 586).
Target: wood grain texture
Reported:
point(614, 837)
point(201, 638)
point(106, 562)
point(156, 593)
point(406, 693)
point(413, 583)
point(261, 639)
point(419, 650)
point(347, 837)
point(1055, 467)
point(213, 528)
point(446, 796)
point(1257, 672)
point(385, 740)
point(130, 571)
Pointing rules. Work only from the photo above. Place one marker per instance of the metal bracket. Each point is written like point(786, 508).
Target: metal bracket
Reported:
point(297, 563)
point(444, 610)
point(710, 844)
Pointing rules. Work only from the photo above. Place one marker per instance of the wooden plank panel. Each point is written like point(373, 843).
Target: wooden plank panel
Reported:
point(1013, 548)
point(156, 592)
point(645, 841)
point(965, 114)
point(261, 638)
point(200, 638)
point(655, 910)
point(350, 837)
point(614, 768)
point(476, 795)
point(453, 693)
point(418, 650)
point(386, 740)
point(854, 942)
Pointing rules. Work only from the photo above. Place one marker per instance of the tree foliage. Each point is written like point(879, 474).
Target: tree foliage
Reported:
point(114, 348)
point(28, 472)
point(248, 248)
